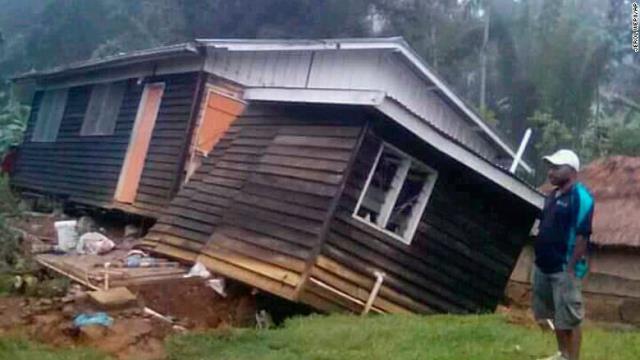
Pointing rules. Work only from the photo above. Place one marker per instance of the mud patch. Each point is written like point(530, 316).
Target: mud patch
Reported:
point(196, 306)
point(134, 333)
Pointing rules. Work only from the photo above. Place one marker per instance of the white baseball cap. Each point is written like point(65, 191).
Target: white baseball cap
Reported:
point(564, 157)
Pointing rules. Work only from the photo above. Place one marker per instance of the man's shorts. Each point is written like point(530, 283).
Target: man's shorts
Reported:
point(558, 297)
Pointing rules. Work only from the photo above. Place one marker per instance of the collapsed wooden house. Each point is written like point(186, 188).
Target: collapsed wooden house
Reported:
point(314, 170)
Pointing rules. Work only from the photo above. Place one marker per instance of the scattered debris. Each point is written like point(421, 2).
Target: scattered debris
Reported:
point(199, 270)
point(94, 243)
point(99, 318)
point(264, 320)
point(114, 298)
point(148, 297)
point(218, 285)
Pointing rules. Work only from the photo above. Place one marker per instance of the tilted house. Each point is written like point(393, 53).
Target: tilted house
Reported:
point(308, 169)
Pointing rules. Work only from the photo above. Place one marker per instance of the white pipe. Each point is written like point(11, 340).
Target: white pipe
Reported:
point(341, 294)
point(106, 275)
point(374, 292)
point(521, 149)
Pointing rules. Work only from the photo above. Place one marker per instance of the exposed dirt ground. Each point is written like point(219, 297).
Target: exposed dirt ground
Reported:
point(134, 334)
point(189, 304)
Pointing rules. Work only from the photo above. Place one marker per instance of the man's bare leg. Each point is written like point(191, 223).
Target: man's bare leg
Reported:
point(574, 342)
point(562, 336)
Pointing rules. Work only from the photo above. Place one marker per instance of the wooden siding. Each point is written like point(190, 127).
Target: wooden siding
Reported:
point(256, 208)
point(459, 261)
point(86, 169)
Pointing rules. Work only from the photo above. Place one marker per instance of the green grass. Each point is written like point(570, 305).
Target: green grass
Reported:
point(486, 337)
point(18, 349)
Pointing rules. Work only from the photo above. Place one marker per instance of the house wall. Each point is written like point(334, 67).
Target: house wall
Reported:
point(85, 169)
point(459, 261)
point(258, 206)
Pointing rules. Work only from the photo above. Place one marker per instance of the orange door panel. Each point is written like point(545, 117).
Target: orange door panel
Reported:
point(218, 115)
point(139, 143)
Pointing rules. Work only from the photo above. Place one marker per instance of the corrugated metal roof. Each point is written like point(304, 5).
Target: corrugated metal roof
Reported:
point(120, 59)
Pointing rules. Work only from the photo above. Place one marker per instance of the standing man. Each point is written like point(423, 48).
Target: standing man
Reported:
point(561, 253)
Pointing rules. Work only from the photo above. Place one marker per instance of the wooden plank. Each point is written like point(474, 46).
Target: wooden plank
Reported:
point(320, 303)
point(249, 249)
point(271, 229)
point(290, 184)
point(175, 252)
point(356, 291)
point(280, 206)
point(304, 163)
point(332, 297)
point(309, 152)
point(319, 130)
point(425, 277)
point(315, 141)
point(276, 273)
point(297, 173)
point(268, 242)
point(417, 258)
point(240, 274)
point(429, 297)
point(229, 174)
point(289, 221)
point(333, 267)
point(308, 200)
point(180, 237)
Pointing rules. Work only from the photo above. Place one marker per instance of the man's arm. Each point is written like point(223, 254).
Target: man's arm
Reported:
point(584, 218)
point(579, 252)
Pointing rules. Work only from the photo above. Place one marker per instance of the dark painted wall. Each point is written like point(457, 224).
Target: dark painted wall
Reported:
point(464, 249)
point(86, 169)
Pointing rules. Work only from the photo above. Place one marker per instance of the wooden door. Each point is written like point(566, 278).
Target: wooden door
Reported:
point(139, 143)
point(219, 112)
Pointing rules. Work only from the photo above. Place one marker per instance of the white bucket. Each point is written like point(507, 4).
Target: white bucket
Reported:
point(67, 235)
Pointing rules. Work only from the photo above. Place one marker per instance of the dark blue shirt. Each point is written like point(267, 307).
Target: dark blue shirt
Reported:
point(565, 215)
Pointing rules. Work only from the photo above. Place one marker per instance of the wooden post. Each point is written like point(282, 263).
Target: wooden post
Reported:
point(374, 292)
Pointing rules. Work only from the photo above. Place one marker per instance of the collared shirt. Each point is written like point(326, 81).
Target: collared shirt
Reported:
point(565, 215)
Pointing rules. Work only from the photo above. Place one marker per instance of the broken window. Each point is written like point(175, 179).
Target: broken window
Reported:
point(102, 111)
point(396, 193)
point(50, 115)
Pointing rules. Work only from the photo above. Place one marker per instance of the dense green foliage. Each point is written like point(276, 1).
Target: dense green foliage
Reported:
point(13, 121)
point(486, 337)
point(571, 60)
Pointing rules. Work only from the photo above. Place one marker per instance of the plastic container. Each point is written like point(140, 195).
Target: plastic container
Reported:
point(67, 235)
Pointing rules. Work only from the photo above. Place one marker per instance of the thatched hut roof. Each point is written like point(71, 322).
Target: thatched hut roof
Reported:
point(614, 182)
point(615, 185)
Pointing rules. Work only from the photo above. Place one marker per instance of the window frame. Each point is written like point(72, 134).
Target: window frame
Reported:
point(43, 131)
point(95, 126)
point(425, 194)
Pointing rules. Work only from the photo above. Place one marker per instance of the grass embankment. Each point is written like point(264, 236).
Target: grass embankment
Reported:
point(445, 337)
point(16, 349)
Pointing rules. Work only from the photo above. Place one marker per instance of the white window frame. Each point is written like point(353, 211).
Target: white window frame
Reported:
point(50, 114)
point(394, 193)
point(98, 119)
